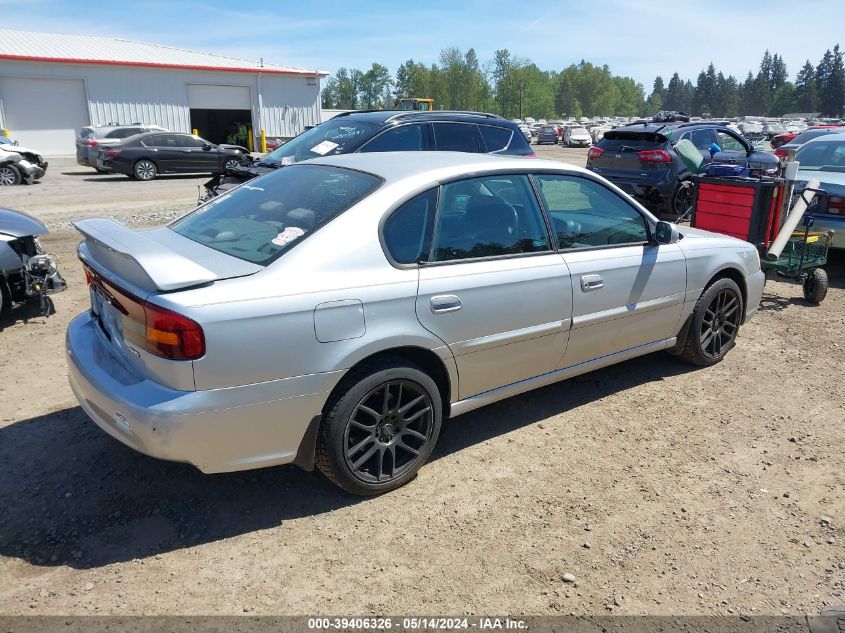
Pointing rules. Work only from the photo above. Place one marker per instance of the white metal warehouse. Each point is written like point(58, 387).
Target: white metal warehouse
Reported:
point(52, 85)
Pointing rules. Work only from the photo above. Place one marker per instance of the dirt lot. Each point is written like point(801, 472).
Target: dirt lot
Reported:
point(662, 489)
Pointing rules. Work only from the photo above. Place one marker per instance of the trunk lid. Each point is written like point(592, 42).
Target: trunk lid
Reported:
point(127, 269)
point(155, 260)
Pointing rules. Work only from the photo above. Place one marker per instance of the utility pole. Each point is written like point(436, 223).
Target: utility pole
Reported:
point(521, 88)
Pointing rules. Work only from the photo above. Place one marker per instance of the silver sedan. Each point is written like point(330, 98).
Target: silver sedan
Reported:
point(334, 312)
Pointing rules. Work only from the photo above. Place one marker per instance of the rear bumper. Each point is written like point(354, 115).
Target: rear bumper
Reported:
point(754, 293)
point(220, 430)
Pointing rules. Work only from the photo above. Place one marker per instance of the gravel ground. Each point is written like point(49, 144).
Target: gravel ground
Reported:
point(644, 488)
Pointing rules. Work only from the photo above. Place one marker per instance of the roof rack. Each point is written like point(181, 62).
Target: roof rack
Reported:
point(404, 113)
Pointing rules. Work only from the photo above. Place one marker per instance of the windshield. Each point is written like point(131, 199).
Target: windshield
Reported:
point(5, 140)
point(265, 217)
point(822, 156)
point(579, 130)
point(335, 136)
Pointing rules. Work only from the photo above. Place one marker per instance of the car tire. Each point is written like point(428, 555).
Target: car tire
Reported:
point(232, 162)
point(144, 170)
point(682, 198)
point(10, 175)
point(714, 324)
point(379, 427)
point(815, 285)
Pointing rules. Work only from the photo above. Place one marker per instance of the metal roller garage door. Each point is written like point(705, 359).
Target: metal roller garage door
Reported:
point(209, 97)
point(44, 114)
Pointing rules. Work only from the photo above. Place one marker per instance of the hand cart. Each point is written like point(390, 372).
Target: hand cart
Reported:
point(802, 258)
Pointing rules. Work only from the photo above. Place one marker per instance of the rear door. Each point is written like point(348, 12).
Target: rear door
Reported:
point(195, 156)
point(492, 288)
point(626, 290)
point(165, 152)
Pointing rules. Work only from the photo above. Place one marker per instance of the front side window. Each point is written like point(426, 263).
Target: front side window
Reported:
point(191, 141)
point(728, 143)
point(702, 139)
point(407, 228)
point(585, 213)
point(484, 217)
point(455, 137)
point(405, 138)
point(265, 217)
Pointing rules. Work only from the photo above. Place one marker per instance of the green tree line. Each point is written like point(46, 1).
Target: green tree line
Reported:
point(515, 87)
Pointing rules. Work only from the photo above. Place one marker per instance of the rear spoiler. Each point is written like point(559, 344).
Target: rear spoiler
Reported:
point(155, 265)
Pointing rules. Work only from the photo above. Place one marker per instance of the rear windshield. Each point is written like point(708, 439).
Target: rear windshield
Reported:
point(335, 136)
point(810, 134)
point(822, 156)
point(265, 217)
point(634, 136)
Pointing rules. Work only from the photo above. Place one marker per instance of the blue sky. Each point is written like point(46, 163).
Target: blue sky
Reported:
point(640, 38)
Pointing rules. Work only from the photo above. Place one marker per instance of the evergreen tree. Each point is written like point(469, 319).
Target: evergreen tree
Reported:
point(836, 85)
point(824, 73)
point(806, 97)
point(672, 100)
point(779, 74)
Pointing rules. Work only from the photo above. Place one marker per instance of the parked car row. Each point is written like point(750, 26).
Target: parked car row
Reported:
point(19, 164)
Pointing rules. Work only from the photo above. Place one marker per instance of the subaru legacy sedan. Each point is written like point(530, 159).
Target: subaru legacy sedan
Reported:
point(333, 313)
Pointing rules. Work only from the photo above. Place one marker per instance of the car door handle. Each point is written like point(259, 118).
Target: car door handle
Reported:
point(591, 282)
point(441, 304)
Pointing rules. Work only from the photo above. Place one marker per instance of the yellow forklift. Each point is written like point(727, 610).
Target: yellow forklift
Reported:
point(414, 103)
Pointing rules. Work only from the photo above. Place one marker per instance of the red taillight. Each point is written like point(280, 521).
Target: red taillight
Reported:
point(781, 153)
point(90, 143)
point(158, 330)
point(88, 279)
point(111, 153)
point(172, 335)
point(655, 156)
point(836, 205)
point(531, 155)
point(595, 152)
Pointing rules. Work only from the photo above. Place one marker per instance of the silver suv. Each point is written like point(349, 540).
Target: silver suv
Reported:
point(91, 139)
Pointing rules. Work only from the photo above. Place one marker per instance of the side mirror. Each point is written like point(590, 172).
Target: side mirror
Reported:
point(666, 233)
point(206, 147)
point(15, 143)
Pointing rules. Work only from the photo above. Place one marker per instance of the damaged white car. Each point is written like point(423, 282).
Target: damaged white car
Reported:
point(19, 164)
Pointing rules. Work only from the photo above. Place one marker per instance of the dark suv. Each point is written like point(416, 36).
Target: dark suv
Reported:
point(388, 131)
point(641, 159)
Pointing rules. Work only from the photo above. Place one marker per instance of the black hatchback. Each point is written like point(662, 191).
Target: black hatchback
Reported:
point(389, 131)
point(144, 156)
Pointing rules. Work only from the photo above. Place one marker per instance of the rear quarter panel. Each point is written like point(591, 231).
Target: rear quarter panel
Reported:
point(262, 327)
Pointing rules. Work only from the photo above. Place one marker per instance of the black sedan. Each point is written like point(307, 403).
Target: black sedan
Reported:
point(144, 156)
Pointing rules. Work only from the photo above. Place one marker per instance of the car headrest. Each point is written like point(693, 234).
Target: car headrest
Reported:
point(303, 218)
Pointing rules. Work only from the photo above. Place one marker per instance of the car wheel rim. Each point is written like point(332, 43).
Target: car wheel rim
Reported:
point(7, 176)
point(145, 170)
point(388, 431)
point(683, 199)
point(720, 324)
point(231, 164)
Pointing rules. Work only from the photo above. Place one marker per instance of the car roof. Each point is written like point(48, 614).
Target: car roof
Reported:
point(396, 166)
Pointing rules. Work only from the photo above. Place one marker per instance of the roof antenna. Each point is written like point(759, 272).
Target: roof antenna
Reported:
point(261, 62)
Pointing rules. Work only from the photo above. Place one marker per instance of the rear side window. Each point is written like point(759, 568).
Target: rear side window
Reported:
point(405, 138)
point(484, 217)
point(495, 138)
point(265, 217)
point(124, 132)
point(407, 228)
point(456, 137)
point(584, 213)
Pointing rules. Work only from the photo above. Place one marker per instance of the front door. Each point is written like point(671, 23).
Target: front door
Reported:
point(626, 290)
point(493, 289)
point(193, 155)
